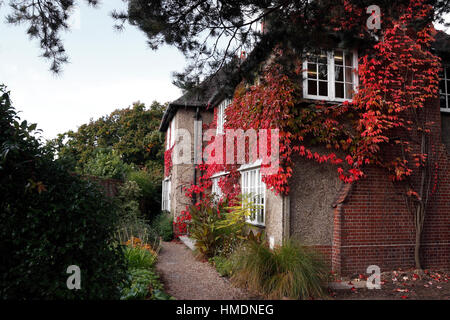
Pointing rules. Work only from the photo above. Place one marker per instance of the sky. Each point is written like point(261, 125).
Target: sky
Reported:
point(107, 70)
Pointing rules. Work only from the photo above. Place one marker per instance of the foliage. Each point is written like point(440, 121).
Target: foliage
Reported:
point(212, 34)
point(106, 163)
point(217, 227)
point(291, 270)
point(223, 265)
point(163, 224)
point(168, 161)
point(139, 258)
point(204, 227)
point(49, 220)
point(133, 133)
point(143, 281)
point(144, 284)
point(148, 180)
point(132, 224)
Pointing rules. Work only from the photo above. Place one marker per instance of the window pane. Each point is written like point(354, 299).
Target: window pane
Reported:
point(312, 87)
point(339, 90)
point(323, 88)
point(338, 74)
point(348, 91)
point(442, 86)
point(441, 73)
point(443, 102)
point(447, 70)
point(323, 72)
point(448, 86)
point(348, 75)
point(349, 59)
point(338, 58)
point(312, 71)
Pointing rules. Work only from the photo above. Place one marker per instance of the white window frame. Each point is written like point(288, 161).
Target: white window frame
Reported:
point(331, 77)
point(166, 189)
point(216, 191)
point(447, 88)
point(221, 115)
point(251, 183)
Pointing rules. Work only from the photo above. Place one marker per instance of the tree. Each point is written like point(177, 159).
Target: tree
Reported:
point(132, 133)
point(125, 144)
point(211, 33)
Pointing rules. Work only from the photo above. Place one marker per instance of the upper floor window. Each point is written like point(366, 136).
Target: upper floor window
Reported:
point(170, 138)
point(444, 88)
point(221, 115)
point(253, 186)
point(330, 75)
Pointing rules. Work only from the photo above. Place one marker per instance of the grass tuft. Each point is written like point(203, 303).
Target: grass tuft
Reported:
point(289, 271)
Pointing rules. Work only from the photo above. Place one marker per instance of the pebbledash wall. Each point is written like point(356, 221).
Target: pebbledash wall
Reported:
point(368, 223)
point(182, 175)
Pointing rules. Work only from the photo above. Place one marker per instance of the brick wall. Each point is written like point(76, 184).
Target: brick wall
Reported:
point(373, 226)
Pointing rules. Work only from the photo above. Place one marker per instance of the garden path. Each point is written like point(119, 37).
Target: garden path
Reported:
point(187, 278)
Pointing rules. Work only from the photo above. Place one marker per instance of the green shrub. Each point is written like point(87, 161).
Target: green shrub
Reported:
point(150, 184)
point(143, 284)
point(131, 222)
point(290, 270)
point(139, 258)
point(49, 220)
point(223, 266)
point(163, 224)
point(143, 281)
point(204, 227)
point(106, 163)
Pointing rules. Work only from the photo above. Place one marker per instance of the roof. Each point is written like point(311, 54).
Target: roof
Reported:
point(209, 93)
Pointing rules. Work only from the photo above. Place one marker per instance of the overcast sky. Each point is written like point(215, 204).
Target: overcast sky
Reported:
point(107, 70)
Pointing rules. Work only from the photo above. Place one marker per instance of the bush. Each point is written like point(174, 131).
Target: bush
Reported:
point(139, 258)
point(223, 266)
point(150, 185)
point(132, 223)
point(163, 224)
point(142, 284)
point(49, 220)
point(290, 270)
point(143, 281)
point(204, 227)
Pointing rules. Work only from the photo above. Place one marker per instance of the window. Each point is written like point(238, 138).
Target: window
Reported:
point(444, 89)
point(166, 186)
point(251, 184)
point(215, 188)
point(170, 138)
point(221, 115)
point(330, 75)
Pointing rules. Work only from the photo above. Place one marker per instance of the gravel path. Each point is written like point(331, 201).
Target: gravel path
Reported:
point(186, 278)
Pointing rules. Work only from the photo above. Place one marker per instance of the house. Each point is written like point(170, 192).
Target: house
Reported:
point(354, 225)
